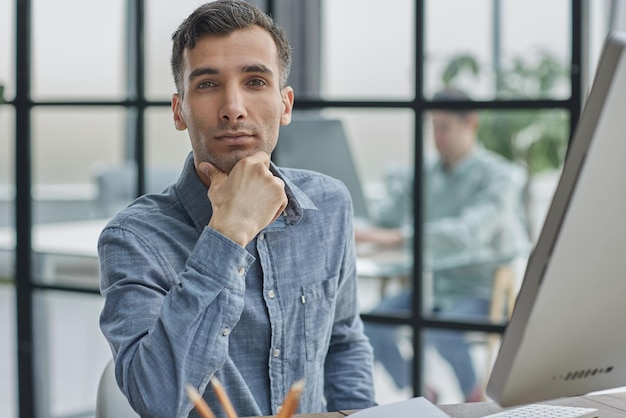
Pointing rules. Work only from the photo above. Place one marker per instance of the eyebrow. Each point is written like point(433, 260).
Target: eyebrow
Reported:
point(254, 68)
point(257, 68)
point(202, 71)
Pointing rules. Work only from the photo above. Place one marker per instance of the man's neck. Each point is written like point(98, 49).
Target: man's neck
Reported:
point(454, 161)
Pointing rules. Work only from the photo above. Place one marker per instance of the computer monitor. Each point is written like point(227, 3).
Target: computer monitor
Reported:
point(567, 333)
point(320, 144)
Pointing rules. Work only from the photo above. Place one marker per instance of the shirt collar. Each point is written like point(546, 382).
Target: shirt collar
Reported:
point(461, 167)
point(193, 196)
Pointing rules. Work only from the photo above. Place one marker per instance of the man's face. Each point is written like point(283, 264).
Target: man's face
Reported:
point(232, 104)
point(454, 135)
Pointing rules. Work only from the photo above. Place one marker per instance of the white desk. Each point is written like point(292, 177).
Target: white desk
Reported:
point(77, 238)
point(64, 251)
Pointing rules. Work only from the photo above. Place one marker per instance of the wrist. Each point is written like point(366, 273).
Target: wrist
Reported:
point(235, 233)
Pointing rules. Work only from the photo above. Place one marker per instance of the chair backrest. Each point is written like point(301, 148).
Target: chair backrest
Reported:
point(110, 402)
point(117, 184)
point(116, 187)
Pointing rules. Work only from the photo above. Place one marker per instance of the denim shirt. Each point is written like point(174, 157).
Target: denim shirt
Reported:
point(184, 303)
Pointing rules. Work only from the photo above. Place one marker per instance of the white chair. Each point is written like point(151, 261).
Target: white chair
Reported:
point(110, 402)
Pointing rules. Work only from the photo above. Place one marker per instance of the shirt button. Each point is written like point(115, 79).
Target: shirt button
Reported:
point(226, 332)
point(280, 408)
point(262, 236)
point(276, 352)
point(241, 271)
point(271, 294)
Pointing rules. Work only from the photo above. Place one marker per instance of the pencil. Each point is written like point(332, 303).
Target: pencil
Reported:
point(199, 403)
point(223, 398)
point(291, 400)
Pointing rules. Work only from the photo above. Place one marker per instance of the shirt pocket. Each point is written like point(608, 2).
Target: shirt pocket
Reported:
point(319, 312)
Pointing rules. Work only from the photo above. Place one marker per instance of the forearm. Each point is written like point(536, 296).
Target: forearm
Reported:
point(168, 329)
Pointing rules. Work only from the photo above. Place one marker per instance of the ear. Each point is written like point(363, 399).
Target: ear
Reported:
point(177, 110)
point(287, 98)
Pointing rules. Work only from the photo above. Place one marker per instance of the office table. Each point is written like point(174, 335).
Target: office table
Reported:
point(75, 238)
point(610, 405)
point(62, 251)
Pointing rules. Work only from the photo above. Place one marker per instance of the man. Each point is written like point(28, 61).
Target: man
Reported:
point(241, 270)
point(473, 222)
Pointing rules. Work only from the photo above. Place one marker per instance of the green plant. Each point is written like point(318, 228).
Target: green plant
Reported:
point(535, 137)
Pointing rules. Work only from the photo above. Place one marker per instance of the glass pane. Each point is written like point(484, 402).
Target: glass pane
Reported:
point(79, 181)
point(166, 147)
point(488, 180)
point(603, 17)
point(162, 19)
point(349, 43)
point(393, 361)
point(8, 350)
point(7, 50)
point(457, 364)
point(7, 164)
point(491, 52)
point(78, 49)
point(7, 192)
point(478, 233)
point(72, 351)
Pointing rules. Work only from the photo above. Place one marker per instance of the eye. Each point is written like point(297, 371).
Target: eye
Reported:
point(206, 84)
point(257, 82)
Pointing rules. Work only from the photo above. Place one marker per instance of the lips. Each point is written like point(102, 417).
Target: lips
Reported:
point(235, 138)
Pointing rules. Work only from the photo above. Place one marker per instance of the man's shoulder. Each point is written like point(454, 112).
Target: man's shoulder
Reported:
point(309, 180)
point(488, 160)
point(149, 209)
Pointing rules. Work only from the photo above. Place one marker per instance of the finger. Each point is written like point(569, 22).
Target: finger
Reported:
point(279, 212)
point(282, 207)
point(260, 157)
point(212, 175)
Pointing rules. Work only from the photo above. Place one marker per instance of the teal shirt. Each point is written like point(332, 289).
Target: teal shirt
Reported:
point(473, 221)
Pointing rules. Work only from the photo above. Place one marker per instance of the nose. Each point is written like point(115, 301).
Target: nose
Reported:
point(233, 106)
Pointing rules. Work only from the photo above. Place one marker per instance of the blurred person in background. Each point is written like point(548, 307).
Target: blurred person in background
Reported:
point(473, 222)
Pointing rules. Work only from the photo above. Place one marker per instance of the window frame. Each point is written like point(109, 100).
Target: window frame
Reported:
point(30, 400)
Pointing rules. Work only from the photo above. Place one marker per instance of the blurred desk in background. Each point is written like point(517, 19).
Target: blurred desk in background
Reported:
point(386, 265)
point(62, 251)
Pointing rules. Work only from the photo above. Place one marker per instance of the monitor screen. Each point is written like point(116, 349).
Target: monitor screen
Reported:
point(567, 333)
point(319, 144)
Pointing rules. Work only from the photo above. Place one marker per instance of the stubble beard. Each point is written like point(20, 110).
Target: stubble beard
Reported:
point(227, 161)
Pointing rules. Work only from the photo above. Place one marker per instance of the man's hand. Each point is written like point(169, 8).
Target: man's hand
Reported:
point(246, 200)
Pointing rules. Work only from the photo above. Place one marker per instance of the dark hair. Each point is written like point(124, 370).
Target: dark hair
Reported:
point(454, 95)
point(223, 17)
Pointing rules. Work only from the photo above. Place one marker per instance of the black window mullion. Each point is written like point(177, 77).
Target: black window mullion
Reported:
point(576, 99)
point(418, 109)
point(135, 90)
point(23, 212)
